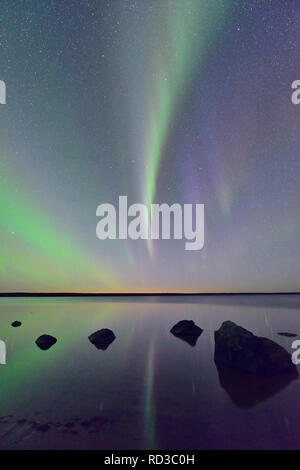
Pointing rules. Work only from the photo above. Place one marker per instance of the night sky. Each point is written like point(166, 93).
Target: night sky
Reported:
point(163, 101)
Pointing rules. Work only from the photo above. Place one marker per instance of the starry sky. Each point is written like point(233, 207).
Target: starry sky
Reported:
point(163, 101)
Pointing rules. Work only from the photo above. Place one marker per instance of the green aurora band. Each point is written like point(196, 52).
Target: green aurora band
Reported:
point(189, 31)
point(43, 241)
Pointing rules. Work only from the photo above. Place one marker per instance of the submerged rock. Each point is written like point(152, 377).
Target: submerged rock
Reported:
point(42, 428)
point(240, 349)
point(45, 342)
point(102, 338)
point(288, 335)
point(16, 323)
point(187, 331)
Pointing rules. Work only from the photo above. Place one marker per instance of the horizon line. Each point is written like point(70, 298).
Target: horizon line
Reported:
point(128, 294)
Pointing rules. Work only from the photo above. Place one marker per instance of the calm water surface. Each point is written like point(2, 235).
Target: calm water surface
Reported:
point(149, 389)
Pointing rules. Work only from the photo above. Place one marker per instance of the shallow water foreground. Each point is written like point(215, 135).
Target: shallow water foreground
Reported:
point(148, 389)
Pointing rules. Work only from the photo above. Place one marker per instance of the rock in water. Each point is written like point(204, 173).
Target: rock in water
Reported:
point(45, 342)
point(288, 335)
point(102, 338)
point(240, 349)
point(16, 323)
point(187, 331)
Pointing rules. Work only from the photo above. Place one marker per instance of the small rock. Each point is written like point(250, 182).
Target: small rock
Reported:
point(43, 428)
point(240, 349)
point(45, 342)
point(86, 424)
point(16, 323)
point(187, 331)
point(288, 335)
point(70, 425)
point(102, 338)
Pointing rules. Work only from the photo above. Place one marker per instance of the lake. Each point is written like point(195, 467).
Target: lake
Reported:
point(148, 389)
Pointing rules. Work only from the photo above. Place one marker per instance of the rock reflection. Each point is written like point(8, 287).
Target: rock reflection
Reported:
point(246, 390)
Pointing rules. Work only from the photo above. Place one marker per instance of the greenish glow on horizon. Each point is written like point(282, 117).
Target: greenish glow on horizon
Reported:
point(22, 220)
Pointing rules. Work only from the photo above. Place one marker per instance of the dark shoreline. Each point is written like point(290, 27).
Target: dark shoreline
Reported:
point(145, 294)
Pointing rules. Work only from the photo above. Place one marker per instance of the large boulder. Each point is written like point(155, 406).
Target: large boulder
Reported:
point(187, 331)
point(45, 342)
point(102, 338)
point(16, 323)
point(240, 349)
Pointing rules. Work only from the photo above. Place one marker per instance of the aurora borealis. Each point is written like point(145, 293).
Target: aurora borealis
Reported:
point(165, 101)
